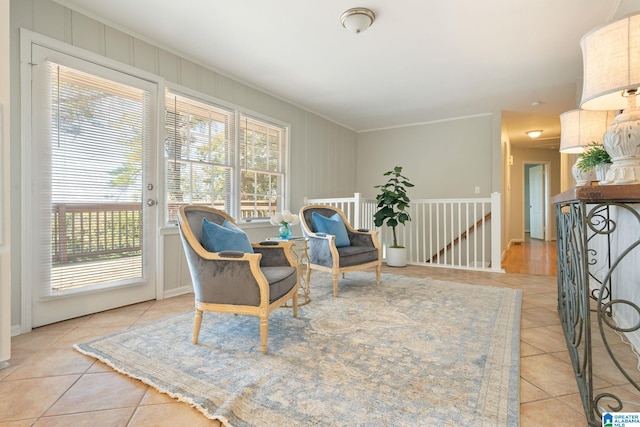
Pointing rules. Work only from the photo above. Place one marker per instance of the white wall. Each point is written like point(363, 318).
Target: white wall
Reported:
point(322, 153)
point(5, 253)
point(507, 190)
point(445, 159)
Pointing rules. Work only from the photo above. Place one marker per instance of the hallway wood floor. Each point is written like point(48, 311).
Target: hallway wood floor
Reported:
point(531, 257)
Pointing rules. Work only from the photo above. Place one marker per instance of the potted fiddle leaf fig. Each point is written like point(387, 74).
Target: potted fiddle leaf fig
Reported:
point(392, 210)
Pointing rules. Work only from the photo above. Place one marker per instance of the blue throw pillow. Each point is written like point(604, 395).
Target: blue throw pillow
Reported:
point(333, 225)
point(225, 237)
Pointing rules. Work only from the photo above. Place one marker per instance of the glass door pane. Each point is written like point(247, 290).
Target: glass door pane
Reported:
point(93, 232)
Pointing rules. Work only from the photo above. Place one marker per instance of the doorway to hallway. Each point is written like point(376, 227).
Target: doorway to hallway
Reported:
point(536, 200)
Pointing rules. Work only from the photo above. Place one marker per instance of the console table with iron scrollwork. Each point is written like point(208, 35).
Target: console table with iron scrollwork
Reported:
point(598, 240)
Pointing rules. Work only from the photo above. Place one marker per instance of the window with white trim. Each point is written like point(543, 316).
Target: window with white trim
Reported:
point(262, 162)
point(216, 156)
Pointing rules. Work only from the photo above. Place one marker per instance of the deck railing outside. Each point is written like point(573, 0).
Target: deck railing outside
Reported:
point(452, 233)
point(98, 231)
point(93, 231)
point(97, 243)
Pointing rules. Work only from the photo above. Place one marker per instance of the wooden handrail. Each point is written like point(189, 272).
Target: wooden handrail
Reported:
point(460, 237)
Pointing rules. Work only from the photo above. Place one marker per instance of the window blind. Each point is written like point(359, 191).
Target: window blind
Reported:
point(199, 154)
point(263, 159)
point(93, 181)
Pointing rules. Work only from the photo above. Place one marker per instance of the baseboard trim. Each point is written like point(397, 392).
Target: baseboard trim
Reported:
point(188, 289)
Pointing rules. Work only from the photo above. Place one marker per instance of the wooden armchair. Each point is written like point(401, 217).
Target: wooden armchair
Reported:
point(360, 251)
point(237, 282)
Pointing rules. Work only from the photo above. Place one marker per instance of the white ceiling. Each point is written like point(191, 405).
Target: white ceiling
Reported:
point(421, 61)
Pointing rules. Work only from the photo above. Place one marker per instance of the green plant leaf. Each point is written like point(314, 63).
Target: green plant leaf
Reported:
point(593, 155)
point(393, 200)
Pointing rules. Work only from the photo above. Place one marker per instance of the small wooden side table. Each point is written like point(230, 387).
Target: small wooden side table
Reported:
point(300, 251)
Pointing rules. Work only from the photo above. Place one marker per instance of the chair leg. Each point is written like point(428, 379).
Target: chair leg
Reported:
point(264, 332)
point(378, 270)
point(196, 326)
point(335, 285)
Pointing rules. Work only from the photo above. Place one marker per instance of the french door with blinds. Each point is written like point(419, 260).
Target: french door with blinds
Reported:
point(92, 218)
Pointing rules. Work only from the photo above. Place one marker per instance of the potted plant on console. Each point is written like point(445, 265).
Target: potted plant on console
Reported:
point(595, 157)
point(392, 210)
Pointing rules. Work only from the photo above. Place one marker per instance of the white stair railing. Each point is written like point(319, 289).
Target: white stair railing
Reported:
point(451, 233)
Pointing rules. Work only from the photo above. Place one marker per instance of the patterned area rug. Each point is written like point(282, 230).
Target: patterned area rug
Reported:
point(405, 353)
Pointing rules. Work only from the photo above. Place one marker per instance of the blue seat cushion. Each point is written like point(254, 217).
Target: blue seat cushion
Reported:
point(332, 225)
point(225, 237)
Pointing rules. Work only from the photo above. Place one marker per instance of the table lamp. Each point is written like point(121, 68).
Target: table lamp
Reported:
point(611, 66)
point(579, 129)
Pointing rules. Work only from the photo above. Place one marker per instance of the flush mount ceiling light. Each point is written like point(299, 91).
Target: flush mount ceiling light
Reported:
point(357, 19)
point(533, 134)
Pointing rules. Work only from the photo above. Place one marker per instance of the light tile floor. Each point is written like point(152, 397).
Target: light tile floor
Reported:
point(50, 384)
